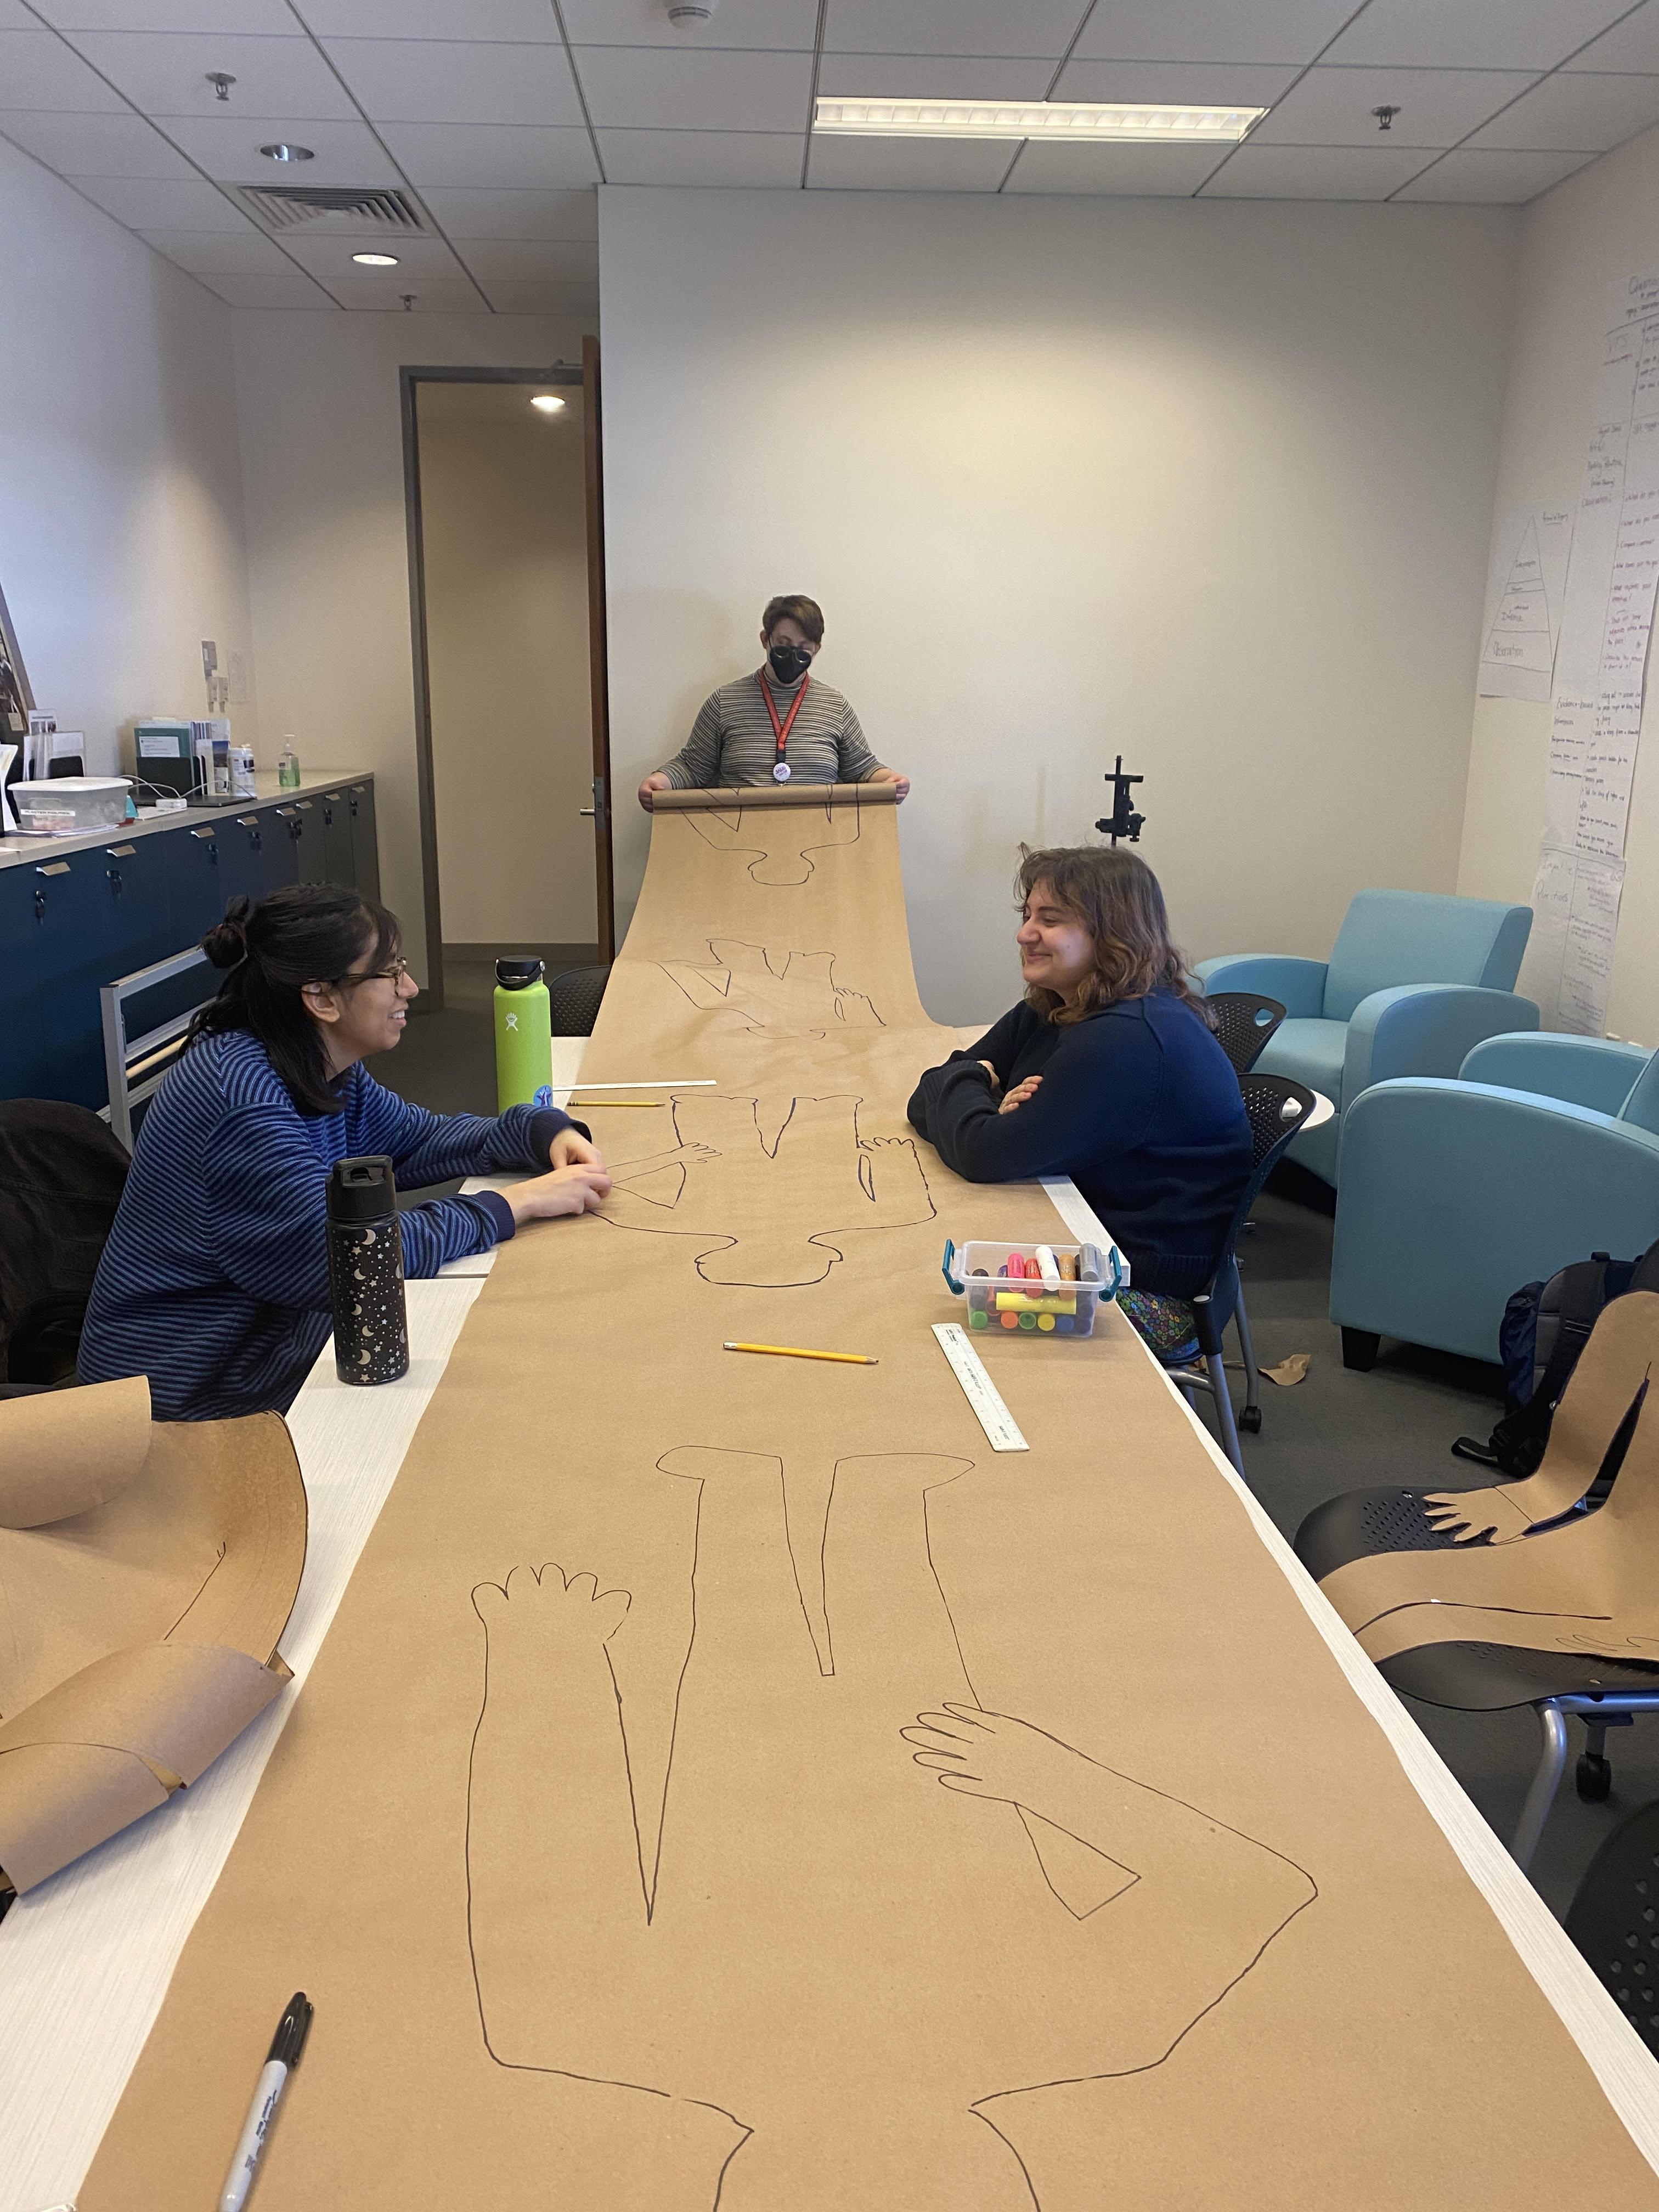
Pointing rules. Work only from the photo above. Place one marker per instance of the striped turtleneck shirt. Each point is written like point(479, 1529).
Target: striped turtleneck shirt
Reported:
point(733, 742)
point(215, 1279)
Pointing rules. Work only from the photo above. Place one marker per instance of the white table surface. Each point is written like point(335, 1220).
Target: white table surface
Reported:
point(85, 1959)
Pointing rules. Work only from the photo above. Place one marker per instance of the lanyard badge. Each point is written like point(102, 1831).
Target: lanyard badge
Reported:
point(781, 729)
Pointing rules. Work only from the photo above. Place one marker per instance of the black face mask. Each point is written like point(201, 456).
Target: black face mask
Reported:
point(789, 661)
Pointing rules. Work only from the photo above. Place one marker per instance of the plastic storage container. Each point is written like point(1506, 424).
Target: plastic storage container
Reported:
point(71, 805)
point(1026, 1290)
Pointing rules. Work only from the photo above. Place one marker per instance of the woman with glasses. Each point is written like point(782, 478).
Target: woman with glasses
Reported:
point(215, 1279)
point(780, 725)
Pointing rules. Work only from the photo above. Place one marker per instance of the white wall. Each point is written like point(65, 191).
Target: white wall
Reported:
point(323, 465)
point(504, 519)
point(1599, 226)
point(121, 535)
point(1209, 483)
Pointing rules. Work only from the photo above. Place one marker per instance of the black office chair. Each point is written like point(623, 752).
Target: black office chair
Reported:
point(574, 1000)
point(61, 1178)
point(1276, 1107)
point(1244, 1021)
point(1613, 1921)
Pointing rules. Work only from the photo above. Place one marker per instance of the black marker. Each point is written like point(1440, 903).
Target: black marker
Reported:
point(287, 2044)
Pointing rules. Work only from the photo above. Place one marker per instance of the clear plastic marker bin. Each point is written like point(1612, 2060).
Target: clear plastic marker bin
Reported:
point(1033, 1290)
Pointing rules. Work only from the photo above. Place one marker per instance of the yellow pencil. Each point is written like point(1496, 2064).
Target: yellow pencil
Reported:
point(608, 1105)
point(796, 1351)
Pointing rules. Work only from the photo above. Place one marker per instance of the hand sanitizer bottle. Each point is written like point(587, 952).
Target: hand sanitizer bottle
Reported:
point(288, 766)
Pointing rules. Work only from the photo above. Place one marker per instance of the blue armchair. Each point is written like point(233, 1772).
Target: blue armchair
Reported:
point(1543, 1150)
point(1414, 980)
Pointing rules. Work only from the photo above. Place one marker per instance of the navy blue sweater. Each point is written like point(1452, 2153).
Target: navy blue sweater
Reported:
point(1139, 1104)
point(215, 1279)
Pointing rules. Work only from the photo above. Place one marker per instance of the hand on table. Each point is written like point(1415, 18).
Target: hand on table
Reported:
point(653, 783)
point(1019, 1094)
point(574, 1190)
point(571, 1149)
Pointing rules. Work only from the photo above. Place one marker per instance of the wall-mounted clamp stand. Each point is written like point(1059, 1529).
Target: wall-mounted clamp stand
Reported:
point(1122, 821)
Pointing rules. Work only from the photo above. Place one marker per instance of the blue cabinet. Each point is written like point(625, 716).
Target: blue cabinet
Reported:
point(339, 866)
point(23, 1041)
point(365, 844)
point(72, 942)
point(196, 889)
point(137, 926)
point(309, 841)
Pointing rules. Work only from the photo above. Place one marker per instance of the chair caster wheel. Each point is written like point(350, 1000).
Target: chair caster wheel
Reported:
point(1593, 1778)
point(1250, 1417)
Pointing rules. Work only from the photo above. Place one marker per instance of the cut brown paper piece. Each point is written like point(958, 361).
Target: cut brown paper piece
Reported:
point(1291, 1370)
point(762, 1794)
point(1590, 1584)
point(141, 1627)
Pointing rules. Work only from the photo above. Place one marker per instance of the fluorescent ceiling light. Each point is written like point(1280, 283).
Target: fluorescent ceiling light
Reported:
point(548, 403)
point(1048, 122)
point(375, 260)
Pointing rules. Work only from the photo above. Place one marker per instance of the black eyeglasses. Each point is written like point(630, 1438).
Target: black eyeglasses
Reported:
point(394, 974)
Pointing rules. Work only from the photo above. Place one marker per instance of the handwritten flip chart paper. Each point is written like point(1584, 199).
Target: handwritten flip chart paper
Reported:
point(1526, 593)
point(1600, 673)
point(729, 1782)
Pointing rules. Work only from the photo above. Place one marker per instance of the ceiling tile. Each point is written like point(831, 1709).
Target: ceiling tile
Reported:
point(909, 165)
point(949, 77)
point(524, 19)
point(1574, 112)
point(702, 157)
point(1516, 34)
point(228, 253)
point(432, 295)
point(275, 16)
point(648, 87)
point(1137, 172)
point(291, 290)
point(1209, 84)
point(39, 72)
point(1211, 30)
point(546, 260)
point(1315, 172)
point(95, 145)
point(525, 155)
point(1333, 106)
point(476, 214)
point(791, 24)
point(155, 203)
point(14, 16)
point(228, 147)
point(1491, 178)
point(580, 300)
point(1631, 45)
point(329, 256)
point(166, 74)
point(457, 81)
point(951, 27)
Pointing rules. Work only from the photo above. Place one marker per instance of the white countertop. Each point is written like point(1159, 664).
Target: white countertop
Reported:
point(17, 851)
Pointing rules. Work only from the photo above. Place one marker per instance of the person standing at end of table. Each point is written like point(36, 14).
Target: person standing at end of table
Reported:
point(781, 724)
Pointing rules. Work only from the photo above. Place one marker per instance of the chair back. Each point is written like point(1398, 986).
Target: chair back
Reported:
point(573, 999)
point(1276, 1107)
point(61, 1178)
point(1610, 1920)
point(1422, 937)
point(1641, 1109)
point(1244, 1021)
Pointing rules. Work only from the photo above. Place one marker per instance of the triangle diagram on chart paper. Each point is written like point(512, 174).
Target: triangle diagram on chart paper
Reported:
point(1520, 632)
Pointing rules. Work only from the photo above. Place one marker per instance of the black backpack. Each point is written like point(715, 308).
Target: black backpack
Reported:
point(1544, 1327)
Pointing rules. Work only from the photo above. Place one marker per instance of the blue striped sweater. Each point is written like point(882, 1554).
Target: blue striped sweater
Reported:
point(215, 1279)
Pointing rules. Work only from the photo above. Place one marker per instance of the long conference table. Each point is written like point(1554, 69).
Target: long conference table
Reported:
point(86, 1962)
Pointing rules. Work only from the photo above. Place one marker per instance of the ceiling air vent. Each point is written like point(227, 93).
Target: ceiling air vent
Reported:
point(284, 207)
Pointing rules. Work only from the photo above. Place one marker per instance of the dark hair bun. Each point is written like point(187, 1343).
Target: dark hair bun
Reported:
point(226, 943)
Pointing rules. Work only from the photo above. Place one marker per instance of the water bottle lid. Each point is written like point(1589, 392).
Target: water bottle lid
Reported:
point(518, 973)
point(362, 1190)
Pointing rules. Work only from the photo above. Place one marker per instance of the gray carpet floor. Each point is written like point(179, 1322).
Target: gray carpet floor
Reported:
point(1333, 1431)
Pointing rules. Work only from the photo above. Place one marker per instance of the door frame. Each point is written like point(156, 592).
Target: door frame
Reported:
point(569, 374)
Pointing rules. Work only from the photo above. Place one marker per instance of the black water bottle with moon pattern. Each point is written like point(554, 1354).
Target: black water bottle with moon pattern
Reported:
point(366, 1271)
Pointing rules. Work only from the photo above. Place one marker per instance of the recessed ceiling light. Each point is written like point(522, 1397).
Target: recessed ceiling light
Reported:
point(1049, 122)
point(281, 151)
point(375, 260)
point(548, 402)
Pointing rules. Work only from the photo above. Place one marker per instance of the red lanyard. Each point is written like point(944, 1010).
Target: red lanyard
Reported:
point(781, 729)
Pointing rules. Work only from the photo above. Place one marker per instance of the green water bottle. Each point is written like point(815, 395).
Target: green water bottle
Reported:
point(524, 1036)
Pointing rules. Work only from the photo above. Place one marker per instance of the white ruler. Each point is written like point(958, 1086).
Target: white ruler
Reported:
point(978, 1388)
